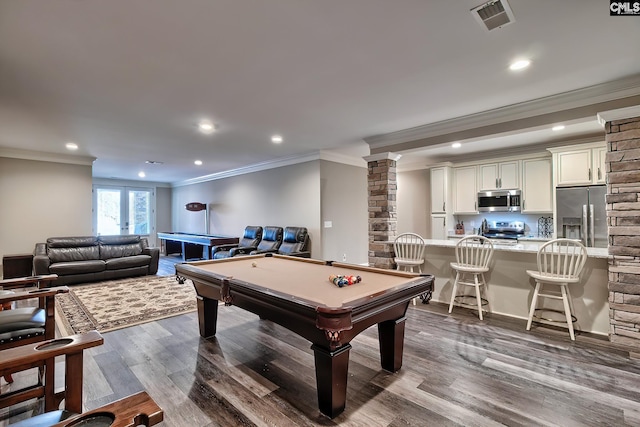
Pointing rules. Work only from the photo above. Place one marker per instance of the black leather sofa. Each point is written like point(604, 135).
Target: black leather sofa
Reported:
point(90, 258)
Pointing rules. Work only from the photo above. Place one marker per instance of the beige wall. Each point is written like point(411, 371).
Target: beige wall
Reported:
point(163, 210)
point(285, 196)
point(344, 203)
point(40, 200)
point(414, 193)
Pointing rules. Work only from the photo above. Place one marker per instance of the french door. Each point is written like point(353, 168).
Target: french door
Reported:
point(123, 210)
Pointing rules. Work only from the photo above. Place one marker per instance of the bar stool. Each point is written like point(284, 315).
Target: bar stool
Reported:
point(409, 254)
point(409, 250)
point(473, 256)
point(560, 262)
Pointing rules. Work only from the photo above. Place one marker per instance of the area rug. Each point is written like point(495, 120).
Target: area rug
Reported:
point(116, 304)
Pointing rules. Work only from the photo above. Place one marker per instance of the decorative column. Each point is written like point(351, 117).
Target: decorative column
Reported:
point(383, 220)
point(623, 220)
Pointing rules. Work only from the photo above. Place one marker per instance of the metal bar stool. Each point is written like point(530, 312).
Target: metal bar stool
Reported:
point(560, 263)
point(473, 256)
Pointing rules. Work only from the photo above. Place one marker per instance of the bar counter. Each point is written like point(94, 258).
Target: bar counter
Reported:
point(510, 288)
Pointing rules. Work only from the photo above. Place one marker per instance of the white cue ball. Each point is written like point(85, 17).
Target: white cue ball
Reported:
point(254, 264)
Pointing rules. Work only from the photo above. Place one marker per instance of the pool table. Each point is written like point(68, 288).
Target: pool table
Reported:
point(296, 293)
point(190, 245)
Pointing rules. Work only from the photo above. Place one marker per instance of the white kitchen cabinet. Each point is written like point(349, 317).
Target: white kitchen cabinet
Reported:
point(438, 227)
point(494, 176)
point(441, 190)
point(580, 166)
point(465, 193)
point(537, 189)
point(599, 165)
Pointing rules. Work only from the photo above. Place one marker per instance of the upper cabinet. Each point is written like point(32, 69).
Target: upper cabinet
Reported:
point(440, 190)
point(465, 190)
point(537, 189)
point(599, 155)
point(582, 165)
point(494, 176)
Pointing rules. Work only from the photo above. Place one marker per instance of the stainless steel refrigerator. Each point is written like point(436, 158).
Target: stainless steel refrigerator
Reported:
point(582, 214)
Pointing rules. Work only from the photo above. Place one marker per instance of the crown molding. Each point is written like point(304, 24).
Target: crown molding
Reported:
point(383, 156)
point(343, 158)
point(619, 114)
point(250, 169)
point(318, 155)
point(597, 94)
point(41, 156)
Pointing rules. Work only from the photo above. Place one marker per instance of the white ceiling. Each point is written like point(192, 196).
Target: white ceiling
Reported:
point(128, 80)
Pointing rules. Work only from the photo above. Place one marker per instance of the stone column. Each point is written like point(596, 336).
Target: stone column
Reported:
point(623, 220)
point(383, 221)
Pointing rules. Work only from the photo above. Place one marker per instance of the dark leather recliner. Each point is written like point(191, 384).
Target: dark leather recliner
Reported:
point(249, 241)
point(295, 242)
point(271, 241)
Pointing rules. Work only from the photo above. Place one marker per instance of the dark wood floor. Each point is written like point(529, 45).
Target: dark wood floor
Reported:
point(458, 371)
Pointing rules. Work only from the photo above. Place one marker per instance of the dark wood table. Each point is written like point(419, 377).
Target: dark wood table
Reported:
point(296, 293)
point(190, 245)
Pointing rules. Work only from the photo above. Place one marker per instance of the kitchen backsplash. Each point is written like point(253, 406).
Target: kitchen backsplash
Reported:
point(472, 222)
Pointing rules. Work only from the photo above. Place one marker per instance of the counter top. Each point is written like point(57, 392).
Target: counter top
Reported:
point(520, 239)
point(522, 246)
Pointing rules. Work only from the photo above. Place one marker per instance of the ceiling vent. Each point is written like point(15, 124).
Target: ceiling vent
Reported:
point(493, 14)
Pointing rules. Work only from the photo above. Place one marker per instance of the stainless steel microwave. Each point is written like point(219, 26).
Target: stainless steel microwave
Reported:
point(499, 201)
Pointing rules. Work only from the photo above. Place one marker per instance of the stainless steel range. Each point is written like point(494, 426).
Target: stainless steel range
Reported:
point(504, 231)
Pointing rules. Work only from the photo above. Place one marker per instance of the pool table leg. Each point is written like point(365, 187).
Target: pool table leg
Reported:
point(331, 378)
point(391, 338)
point(207, 316)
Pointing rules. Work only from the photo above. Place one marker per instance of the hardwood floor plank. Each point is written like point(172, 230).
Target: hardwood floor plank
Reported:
point(178, 408)
point(215, 407)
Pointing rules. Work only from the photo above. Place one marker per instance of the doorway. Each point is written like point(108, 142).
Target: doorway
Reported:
point(119, 210)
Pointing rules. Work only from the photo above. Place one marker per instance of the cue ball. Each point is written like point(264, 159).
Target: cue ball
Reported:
point(254, 264)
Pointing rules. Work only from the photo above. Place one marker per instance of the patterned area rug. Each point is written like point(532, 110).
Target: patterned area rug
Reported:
point(116, 304)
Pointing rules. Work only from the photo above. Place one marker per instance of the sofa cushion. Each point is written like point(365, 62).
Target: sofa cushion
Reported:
point(119, 251)
point(71, 242)
point(128, 262)
point(67, 254)
point(77, 267)
point(119, 240)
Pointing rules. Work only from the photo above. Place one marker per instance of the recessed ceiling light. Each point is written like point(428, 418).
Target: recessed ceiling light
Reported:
point(198, 162)
point(206, 127)
point(277, 139)
point(557, 128)
point(71, 146)
point(519, 65)
point(142, 174)
point(456, 145)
